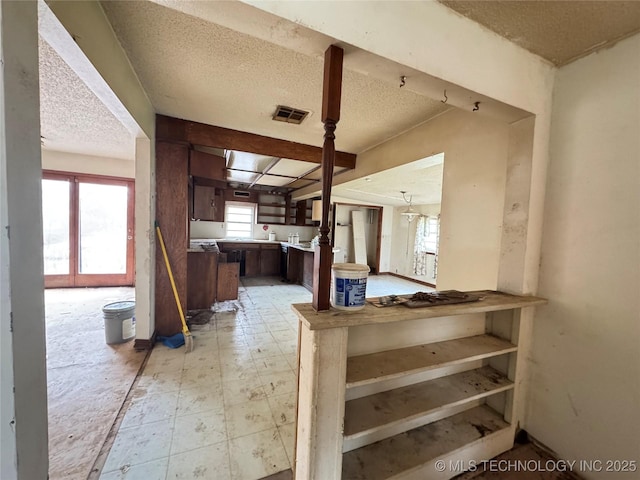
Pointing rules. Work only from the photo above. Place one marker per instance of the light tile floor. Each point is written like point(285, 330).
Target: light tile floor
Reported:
point(225, 410)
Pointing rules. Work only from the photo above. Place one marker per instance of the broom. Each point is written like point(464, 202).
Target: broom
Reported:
point(188, 339)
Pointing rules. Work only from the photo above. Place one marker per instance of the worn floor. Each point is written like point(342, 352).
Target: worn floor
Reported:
point(226, 410)
point(87, 380)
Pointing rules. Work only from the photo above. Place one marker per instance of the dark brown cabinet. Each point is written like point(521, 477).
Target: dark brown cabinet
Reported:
point(270, 260)
point(252, 263)
point(228, 274)
point(205, 165)
point(208, 203)
point(258, 259)
point(202, 274)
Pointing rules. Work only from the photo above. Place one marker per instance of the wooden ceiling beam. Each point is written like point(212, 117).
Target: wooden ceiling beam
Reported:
point(185, 131)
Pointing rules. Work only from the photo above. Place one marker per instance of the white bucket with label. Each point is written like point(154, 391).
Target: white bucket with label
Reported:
point(348, 286)
point(119, 322)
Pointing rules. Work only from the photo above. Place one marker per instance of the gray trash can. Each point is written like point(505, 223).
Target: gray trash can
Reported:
point(119, 322)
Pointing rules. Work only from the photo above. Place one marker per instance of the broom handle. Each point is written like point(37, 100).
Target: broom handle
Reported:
point(173, 283)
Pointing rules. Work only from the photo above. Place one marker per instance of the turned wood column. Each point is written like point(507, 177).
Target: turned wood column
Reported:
point(331, 93)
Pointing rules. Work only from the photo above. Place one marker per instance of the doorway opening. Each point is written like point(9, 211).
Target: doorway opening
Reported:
point(87, 230)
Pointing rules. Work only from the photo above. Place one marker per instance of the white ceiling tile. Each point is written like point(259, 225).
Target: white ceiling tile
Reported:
point(292, 168)
point(273, 181)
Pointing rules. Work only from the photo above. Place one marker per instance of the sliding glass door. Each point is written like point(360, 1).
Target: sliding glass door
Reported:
point(88, 230)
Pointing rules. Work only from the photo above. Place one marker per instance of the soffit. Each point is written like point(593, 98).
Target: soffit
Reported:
point(559, 31)
point(72, 118)
point(422, 180)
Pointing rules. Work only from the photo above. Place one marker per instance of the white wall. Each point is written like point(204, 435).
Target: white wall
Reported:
point(585, 362)
point(200, 229)
point(23, 383)
point(473, 192)
point(78, 163)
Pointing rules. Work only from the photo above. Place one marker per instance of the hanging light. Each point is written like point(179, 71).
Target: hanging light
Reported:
point(410, 213)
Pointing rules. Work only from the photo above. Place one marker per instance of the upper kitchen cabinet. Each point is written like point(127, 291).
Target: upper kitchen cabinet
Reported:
point(208, 203)
point(206, 165)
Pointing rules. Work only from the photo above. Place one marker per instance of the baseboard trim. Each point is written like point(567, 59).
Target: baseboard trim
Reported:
point(142, 344)
point(421, 282)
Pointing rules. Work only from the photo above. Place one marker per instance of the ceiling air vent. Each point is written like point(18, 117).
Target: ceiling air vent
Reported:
point(289, 115)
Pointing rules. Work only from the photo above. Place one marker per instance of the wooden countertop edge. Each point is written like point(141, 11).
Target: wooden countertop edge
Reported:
point(493, 301)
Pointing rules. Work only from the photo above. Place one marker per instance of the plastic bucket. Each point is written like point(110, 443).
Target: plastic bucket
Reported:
point(348, 286)
point(119, 322)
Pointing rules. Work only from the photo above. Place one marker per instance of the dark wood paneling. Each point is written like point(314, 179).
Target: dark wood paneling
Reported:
point(252, 263)
point(172, 161)
point(270, 261)
point(208, 203)
point(208, 166)
point(188, 132)
point(228, 274)
point(202, 279)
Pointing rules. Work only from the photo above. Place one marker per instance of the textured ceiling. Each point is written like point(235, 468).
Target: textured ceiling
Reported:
point(72, 119)
point(559, 31)
point(422, 180)
point(201, 71)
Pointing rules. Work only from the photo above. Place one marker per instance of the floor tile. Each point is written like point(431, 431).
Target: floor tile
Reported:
point(208, 463)
point(154, 470)
point(150, 408)
point(260, 338)
point(265, 350)
point(240, 391)
point(198, 430)
point(287, 434)
point(257, 455)
point(201, 358)
point(202, 378)
point(134, 446)
point(283, 408)
point(164, 359)
point(196, 400)
point(158, 382)
point(248, 417)
point(285, 336)
point(277, 326)
point(274, 364)
point(279, 383)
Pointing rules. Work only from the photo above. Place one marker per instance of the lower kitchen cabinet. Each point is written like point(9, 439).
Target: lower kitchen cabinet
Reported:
point(270, 260)
point(252, 263)
point(202, 274)
point(228, 275)
point(259, 259)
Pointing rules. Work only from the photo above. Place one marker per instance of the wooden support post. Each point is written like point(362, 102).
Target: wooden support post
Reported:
point(331, 93)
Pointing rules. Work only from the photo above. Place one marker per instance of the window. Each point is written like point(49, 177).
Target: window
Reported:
point(239, 219)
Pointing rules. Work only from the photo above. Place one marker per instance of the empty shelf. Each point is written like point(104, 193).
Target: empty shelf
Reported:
point(417, 448)
point(375, 367)
point(375, 417)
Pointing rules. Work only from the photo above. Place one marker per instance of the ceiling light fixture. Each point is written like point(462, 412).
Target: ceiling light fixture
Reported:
point(410, 213)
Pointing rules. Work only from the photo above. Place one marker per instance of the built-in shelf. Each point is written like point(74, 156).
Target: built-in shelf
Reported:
point(375, 417)
point(417, 450)
point(377, 367)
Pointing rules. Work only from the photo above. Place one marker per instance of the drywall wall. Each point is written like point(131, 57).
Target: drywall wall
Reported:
point(585, 361)
point(77, 163)
point(404, 235)
point(473, 191)
point(23, 383)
